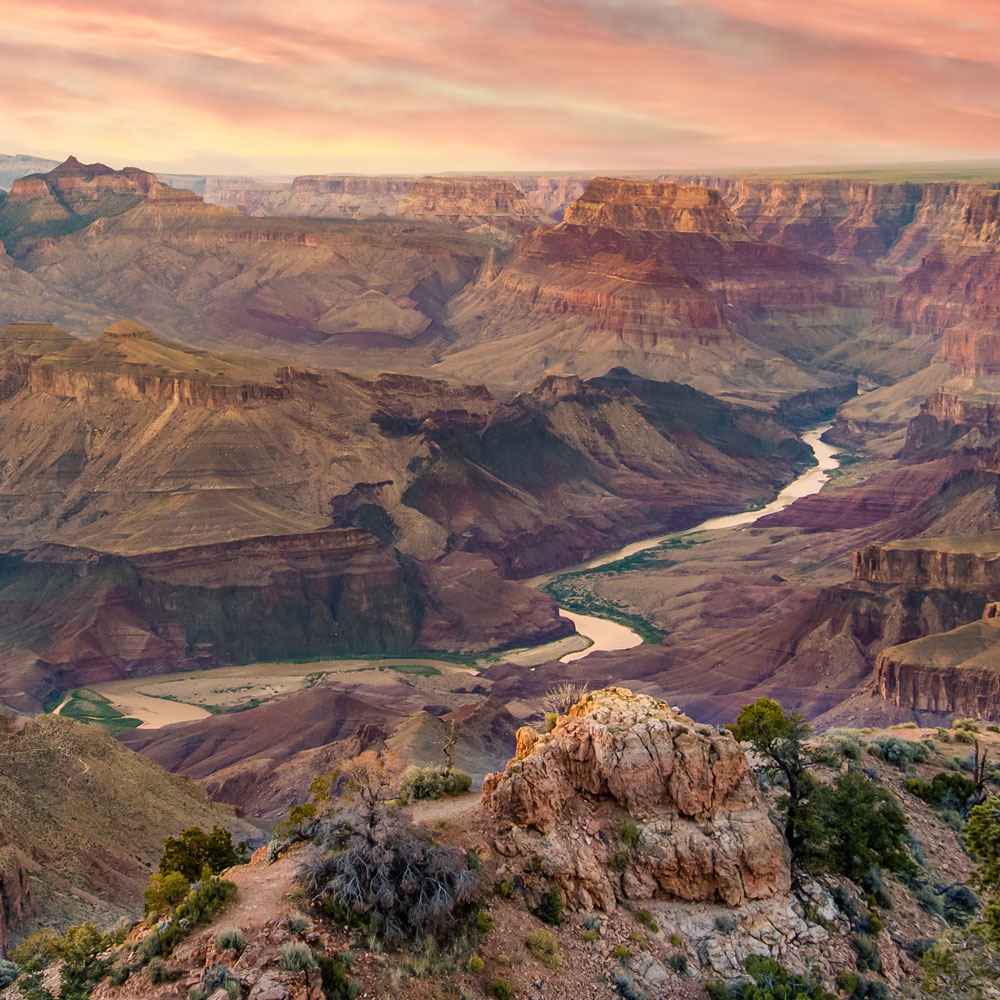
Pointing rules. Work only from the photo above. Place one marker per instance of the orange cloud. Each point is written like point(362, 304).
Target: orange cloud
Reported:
point(380, 85)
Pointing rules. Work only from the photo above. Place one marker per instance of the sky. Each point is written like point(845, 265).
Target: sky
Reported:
point(413, 86)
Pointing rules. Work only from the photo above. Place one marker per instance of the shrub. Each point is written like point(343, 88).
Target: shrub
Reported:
point(867, 952)
point(231, 940)
point(299, 822)
point(421, 783)
point(551, 718)
point(847, 982)
point(550, 909)
point(506, 888)
point(545, 948)
point(845, 902)
point(845, 743)
point(296, 957)
point(647, 919)
point(725, 925)
point(475, 964)
point(944, 736)
point(215, 976)
point(196, 850)
point(588, 936)
point(484, 922)
point(863, 826)
point(621, 952)
point(234, 989)
point(969, 725)
point(679, 963)
point(676, 940)
point(157, 971)
point(627, 988)
point(164, 891)
point(118, 974)
point(871, 989)
point(772, 981)
point(501, 989)
point(8, 973)
point(875, 924)
point(336, 984)
point(963, 736)
point(383, 874)
point(297, 923)
point(628, 833)
point(899, 752)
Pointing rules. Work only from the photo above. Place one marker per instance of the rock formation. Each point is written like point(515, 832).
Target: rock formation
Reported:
point(469, 202)
point(660, 278)
point(622, 758)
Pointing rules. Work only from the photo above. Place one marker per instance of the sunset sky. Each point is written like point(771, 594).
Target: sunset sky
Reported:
point(402, 85)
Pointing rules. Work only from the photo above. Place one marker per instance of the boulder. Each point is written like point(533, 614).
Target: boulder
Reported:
point(627, 799)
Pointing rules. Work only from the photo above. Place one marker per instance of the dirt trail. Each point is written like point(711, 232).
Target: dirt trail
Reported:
point(263, 892)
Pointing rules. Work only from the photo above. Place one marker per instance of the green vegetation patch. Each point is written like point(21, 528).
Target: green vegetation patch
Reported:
point(90, 707)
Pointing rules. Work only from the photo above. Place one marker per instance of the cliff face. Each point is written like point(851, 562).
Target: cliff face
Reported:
point(890, 226)
point(16, 902)
point(704, 831)
point(75, 183)
point(320, 197)
point(660, 278)
point(468, 202)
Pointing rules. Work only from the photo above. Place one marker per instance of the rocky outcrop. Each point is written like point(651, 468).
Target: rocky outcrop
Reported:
point(618, 758)
point(468, 202)
point(968, 564)
point(951, 673)
point(74, 183)
point(611, 203)
point(16, 901)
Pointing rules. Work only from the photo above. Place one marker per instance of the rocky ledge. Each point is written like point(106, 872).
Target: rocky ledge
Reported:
point(626, 799)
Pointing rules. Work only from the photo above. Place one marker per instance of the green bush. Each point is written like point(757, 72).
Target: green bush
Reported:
point(231, 940)
point(501, 989)
point(847, 982)
point(164, 891)
point(194, 850)
point(647, 919)
point(628, 833)
point(627, 987)
point(422, 783)
point(679, 963)
point(297, 923)
point(964, 736)
point(621, 952)
point(676, 940)
point(118, 974)
point(588, 936)
point(157, 971)
point(550, 909)
point(8, 973)
point(900, 753)
point(484, 922)
point(969, 725)
point(867, 952)
point(551, 718)
point(725, 925)
point(336, 984)
point(545, 948)
point(944, 736)
point(841, 743)
point(771, 981)
point(506, 888)
point(862, 827)
point(475, 964)
point(296, 957)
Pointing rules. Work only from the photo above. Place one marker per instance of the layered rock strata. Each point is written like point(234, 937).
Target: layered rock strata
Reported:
point(619, 759)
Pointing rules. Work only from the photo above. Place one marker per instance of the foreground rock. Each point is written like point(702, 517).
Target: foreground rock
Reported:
point(617, 762)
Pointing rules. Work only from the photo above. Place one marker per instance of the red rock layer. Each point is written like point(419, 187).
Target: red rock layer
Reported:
point(470, 201)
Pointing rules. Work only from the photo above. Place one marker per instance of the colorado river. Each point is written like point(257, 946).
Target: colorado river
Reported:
point(608, 635)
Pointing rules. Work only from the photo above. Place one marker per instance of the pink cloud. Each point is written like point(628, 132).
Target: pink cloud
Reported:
point(504, 84)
